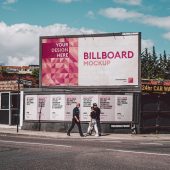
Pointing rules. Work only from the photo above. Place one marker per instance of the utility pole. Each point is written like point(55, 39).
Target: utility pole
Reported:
point(18, 102)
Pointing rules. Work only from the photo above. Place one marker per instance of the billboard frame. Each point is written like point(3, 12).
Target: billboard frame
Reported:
point(134, 88)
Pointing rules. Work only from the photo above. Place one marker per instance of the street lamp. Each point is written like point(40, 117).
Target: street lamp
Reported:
point(18, 101)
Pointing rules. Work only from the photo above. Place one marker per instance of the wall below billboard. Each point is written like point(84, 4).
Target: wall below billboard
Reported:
point(59, 107)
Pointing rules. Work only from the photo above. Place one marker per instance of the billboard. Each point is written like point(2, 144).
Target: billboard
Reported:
point(90, 60)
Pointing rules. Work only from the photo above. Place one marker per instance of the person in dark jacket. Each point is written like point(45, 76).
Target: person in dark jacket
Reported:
point(97, 110)
point(76, 120)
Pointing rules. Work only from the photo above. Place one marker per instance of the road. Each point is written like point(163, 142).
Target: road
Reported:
point(29, 153)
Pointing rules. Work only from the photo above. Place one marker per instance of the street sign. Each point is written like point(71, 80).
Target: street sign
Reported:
point(25, 82)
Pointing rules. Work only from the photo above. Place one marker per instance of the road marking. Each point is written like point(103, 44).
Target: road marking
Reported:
point(31, 143)
point(111, 141)
point(151, 144)
point(136, 152)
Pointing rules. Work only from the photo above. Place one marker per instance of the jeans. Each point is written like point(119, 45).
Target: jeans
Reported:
point(72, 126)
point(98, 126)
point(92, 124)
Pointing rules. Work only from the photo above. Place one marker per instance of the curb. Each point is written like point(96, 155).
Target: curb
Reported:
point(57, 135)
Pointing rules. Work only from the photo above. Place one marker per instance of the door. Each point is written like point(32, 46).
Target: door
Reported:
point(4, 107)
point(15, 104)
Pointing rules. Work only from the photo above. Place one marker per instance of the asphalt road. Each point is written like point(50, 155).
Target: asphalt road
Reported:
point(82, 154)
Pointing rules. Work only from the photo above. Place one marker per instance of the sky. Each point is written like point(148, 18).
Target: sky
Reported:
point(22, 22)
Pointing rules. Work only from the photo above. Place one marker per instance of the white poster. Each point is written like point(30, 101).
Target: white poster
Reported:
point(31, 107)
point(107, 106)
point(107, 61)
point(43, 107)
point(86, 103)
point(123, 107)
point(57, 107)
point(71, 101)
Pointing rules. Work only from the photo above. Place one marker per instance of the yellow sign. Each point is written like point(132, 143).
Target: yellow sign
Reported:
point(155, 88)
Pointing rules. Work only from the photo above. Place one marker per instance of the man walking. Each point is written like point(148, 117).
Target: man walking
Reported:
point(76, 120)
point(97, 110)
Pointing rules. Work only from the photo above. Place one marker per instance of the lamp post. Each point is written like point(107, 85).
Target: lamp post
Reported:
point(18, 102)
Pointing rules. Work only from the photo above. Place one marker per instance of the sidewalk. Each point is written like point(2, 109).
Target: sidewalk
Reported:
point(12, 131)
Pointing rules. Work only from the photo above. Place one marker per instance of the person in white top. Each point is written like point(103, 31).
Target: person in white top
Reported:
point(93, 123)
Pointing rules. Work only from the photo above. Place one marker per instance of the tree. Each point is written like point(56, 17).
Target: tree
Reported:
point(154, 67)
point(3, 70)
point(144, 63)
point(149, 64)
point(35, 73)
point(163, 66)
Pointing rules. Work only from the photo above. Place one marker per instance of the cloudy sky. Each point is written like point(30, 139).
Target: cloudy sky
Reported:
point(23, 21)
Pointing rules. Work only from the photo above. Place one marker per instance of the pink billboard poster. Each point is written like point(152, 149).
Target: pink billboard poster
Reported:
point(60, 62)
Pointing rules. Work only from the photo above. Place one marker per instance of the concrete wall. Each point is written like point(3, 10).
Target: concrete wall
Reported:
point(64, 126)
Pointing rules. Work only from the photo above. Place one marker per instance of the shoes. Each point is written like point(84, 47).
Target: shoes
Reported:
point(87, 134)
point(100, 135)
point(82, 135)
point(68, 134)
point(97, 135)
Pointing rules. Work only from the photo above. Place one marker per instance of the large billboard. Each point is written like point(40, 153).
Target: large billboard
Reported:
point(90, 60)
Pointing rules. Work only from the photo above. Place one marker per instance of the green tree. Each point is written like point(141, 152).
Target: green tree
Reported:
point(35, 73)
point(3, 70)
point(163, 66)
point(144, 63)
point(149, 64)
point(154, 67)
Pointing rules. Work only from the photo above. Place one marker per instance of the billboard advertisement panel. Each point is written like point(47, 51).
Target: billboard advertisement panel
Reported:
point(107, 60)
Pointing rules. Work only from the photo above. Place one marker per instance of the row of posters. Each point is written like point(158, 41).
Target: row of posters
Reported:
point(60, 107)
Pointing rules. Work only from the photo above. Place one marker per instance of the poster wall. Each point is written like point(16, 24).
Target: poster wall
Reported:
point(108, 59)
point(60, 107)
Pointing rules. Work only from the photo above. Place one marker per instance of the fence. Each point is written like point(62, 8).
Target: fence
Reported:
point(155, 113)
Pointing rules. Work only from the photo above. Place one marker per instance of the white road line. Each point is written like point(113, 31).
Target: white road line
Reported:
point(151, 143)
point(31, 143)
point(111, 141)
point(136, 152)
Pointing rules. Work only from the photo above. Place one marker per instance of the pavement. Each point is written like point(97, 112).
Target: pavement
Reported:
point(12, 130)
